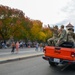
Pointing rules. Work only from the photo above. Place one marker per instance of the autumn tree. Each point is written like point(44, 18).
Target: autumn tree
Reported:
point(47, 32)
point(28, 26)
point(36, 29)
point(11, 22)
point(42, 36)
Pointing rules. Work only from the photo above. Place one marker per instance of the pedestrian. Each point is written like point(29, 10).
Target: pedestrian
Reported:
point(13, 47)
point(62, 36)
point(41, 47)
point(36, 46)
point(17, 46)
point(3, 45)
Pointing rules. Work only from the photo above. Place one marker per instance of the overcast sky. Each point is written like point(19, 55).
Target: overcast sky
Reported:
point(48, 11)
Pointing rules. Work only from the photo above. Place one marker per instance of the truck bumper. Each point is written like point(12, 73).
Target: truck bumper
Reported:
point(61, 61)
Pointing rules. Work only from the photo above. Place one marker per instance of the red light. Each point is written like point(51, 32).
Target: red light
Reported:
point(73, 54)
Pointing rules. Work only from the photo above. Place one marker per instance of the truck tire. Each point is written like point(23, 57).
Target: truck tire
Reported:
point(52, 63)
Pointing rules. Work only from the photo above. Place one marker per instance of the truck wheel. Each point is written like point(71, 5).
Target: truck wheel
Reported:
point(52, 63)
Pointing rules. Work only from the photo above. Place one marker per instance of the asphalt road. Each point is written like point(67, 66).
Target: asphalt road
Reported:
point(32, 66)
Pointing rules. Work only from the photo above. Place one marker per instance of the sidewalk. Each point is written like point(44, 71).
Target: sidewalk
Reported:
point(21, 55)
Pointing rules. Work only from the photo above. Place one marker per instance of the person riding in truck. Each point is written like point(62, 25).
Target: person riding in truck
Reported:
point(62, 36)
point(51, 41)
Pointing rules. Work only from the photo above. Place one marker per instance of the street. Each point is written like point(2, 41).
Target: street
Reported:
point(32, 66)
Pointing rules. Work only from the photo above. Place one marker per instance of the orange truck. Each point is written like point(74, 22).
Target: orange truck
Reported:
point(64, 54)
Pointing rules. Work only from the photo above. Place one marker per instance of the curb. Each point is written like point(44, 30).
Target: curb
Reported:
point(5, 60)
